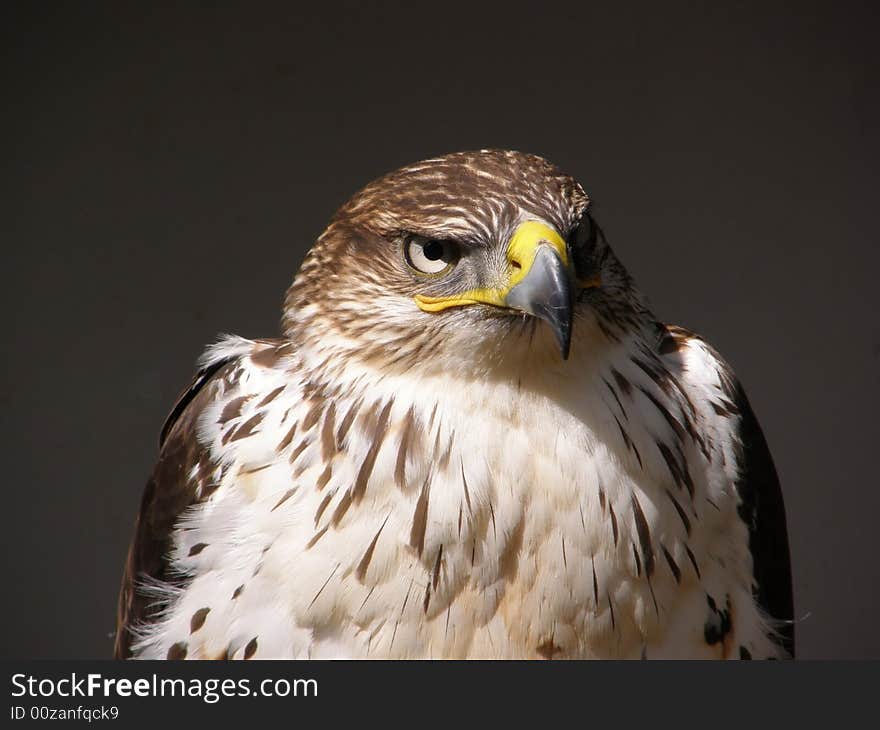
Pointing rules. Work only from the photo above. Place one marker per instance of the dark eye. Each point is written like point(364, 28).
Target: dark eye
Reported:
point(582, 244)
point(583, 237)
point(431, 256)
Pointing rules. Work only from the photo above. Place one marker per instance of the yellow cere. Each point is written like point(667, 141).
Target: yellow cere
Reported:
point(521, 252)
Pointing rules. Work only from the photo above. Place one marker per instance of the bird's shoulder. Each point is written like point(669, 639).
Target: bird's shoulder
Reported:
point(699, 367)
point(713, 386)
point(186, 473)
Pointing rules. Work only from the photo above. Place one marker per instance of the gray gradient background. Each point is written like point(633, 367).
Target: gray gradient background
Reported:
point(165, 172)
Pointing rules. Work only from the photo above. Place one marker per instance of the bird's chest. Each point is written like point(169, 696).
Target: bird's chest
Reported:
point(502, 527)
point(431, 524)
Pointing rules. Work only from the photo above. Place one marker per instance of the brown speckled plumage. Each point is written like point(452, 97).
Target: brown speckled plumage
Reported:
point(388, 480)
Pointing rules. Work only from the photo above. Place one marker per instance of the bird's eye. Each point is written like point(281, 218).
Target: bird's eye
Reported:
point(584, 234)
point(582, 244)
point(430, 256)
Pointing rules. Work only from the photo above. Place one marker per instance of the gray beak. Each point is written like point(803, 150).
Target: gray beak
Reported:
point(545, 292)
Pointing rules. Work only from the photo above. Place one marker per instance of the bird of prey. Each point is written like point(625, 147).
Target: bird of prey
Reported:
point(472, 439)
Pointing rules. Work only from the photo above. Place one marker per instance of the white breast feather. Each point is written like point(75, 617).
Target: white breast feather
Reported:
point(520, 488)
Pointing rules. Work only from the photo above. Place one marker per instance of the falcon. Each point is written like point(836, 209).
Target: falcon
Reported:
point(472, 439)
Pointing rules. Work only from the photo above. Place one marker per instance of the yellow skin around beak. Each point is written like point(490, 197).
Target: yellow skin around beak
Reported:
point(521, 252)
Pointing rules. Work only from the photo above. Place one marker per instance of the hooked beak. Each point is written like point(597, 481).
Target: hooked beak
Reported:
point(545, 292)
point(537, 282)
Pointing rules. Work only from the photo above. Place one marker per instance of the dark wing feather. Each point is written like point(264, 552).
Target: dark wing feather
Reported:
point(169, 491)
point(763, 510)
point(185, 398)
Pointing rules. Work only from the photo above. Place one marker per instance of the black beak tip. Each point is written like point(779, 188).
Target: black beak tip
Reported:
point(565, 343)
point(562, 329)
point(558, 316)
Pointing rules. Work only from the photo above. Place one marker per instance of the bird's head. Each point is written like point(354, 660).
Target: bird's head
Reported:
point(467, 260)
